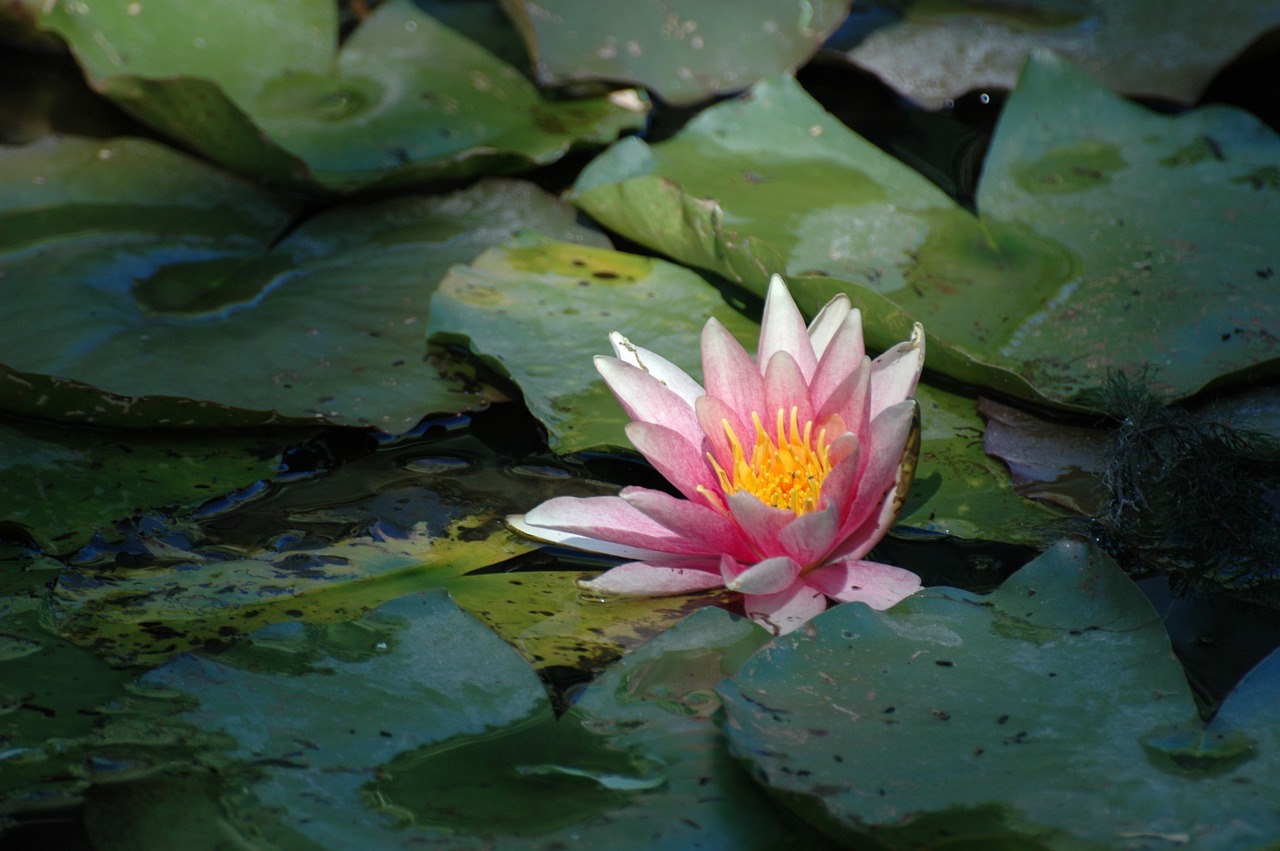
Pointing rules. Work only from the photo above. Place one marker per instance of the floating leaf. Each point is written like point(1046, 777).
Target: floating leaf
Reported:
point(404, 99)
point(1000, 719)
point(684, 51)
point(422, 726)
point(941, 50)
point(1078, 262)
point(62, 486)
point(515, 297)
point(170, 294)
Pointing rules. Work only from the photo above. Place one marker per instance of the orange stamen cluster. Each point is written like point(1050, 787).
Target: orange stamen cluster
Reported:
point(786, 472)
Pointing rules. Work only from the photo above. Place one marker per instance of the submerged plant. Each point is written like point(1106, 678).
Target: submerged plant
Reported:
point(1187, 493)
point(792, 467)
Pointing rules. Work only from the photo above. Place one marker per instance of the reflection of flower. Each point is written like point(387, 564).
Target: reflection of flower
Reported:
point(792, 469)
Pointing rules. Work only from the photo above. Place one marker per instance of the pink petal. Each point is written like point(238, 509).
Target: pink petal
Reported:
point(672, 376)
point(676, 458)
point(782, 612)
point(729, 372)
point(647, 399)
point(842, 357)
point(646, 579)
point(809, 538)
point(712, 413)
point(782, 329)
point(770, 576)
point(604, 519)
point(878, 585)
point(761, 524)
point(871, 514)
point(895, 373)
point(849, 399)
point(706, 529)
point(823, 328)
point(784, 388)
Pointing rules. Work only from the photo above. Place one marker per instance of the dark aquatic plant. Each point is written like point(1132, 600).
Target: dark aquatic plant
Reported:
point(1192, 494)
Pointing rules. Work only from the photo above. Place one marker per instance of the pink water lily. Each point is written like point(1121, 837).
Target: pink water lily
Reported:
point(792, 467)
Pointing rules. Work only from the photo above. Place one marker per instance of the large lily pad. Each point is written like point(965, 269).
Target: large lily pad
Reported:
point(62, 486)
point(684, 51)
point(419, 726)
point(170, 295)
point(515, 297)
point(939, 50)
point(1001, 719)
point(404, 99)
point(1076, 264)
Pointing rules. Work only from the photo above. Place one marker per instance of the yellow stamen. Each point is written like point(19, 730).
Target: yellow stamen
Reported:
point(787, 472)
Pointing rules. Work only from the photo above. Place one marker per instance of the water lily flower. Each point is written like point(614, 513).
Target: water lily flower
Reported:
point(792, 467)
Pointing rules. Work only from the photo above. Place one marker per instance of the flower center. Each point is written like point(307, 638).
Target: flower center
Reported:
point(786, 471)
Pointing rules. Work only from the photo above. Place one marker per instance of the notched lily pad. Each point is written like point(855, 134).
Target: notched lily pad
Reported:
point(170, 294)
point(1076, 264)
point(1000, 718)
point(404, 99)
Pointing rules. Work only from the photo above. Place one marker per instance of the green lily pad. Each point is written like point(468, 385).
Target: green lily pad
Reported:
point(404, 99)
point(509, 301)
point(684, 51)
point(1000, 719)
point(1077, 263)
point(62, 486)
point(170, 294)
point(421, 726)
point(940, 49)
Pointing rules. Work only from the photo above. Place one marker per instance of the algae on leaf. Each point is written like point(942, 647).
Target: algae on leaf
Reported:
point(684, 51)
point(1075, 263)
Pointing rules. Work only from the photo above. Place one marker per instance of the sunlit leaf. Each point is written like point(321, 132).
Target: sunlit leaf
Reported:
point(1077, 263)
point(170, 293)
point(684, 51)
point(940, 50)
point(404, 99)
point(1003, 718)
point(509, 302)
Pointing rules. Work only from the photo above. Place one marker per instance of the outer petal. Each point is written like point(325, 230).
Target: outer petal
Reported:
point(675, 378)
point(784, 388)
point(850, 580)
point(646, 579)
point(730, 373)
point(822, 329)
point(771, 576)
point(782, 612)
point(647, 399)
point(782, 329)
point(883, 457)
point(603, 519)
point(693, 522)
point(895, 373)
point(678, 460)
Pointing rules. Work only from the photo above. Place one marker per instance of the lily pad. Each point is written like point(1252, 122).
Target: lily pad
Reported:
point(1076, 264)
point(1000, 719)
point(509, 301)
point(425, 728)
point(404, 99)
point(940, 49)
point(683, 51)
point(170, 294)
point(61, 486)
